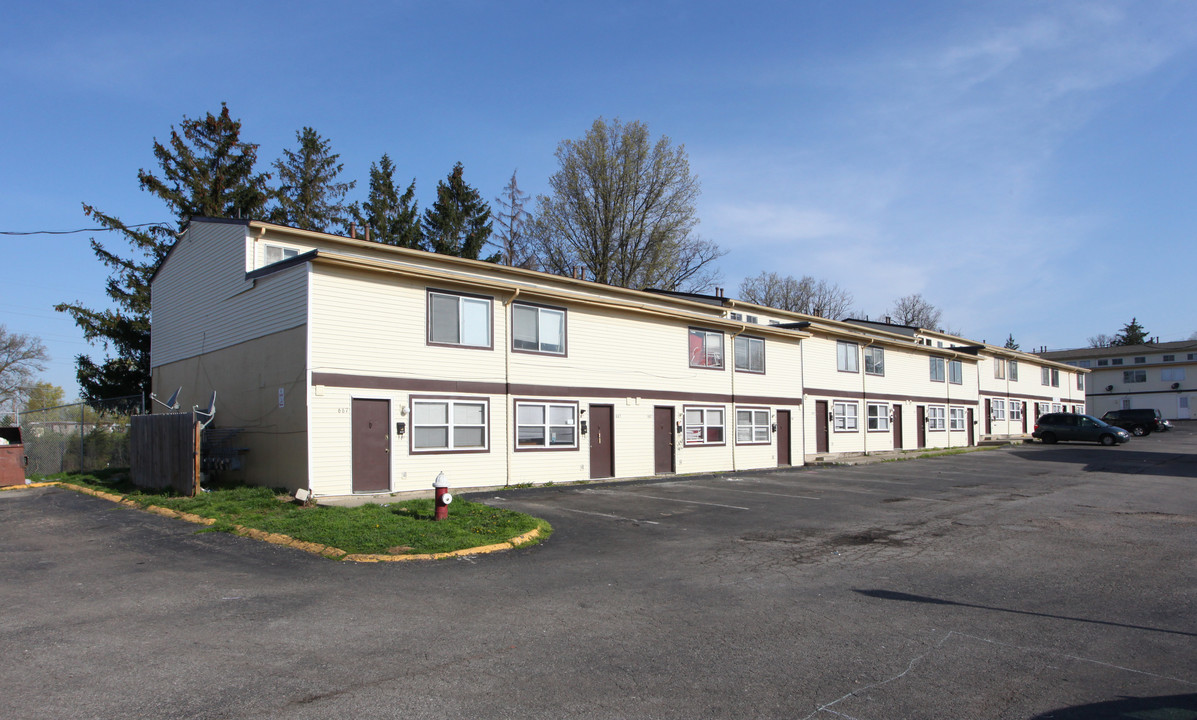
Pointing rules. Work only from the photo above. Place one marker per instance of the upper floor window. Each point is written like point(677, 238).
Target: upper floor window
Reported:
point(845, 356)
point(1102, 363)
point(874, 360)
point(458, 319)
point(706, 349)
point(278, 253)
point(1084, 363)
point(1169, 358)
point(1116, 361)
point(1013, 370)
point(704, 425)
point(1141, 360)
point(999, 369)
point(937, 369)
point(752, 426)
point(1172, 374)
point(1080, 381)
point(1051, 376)
point(448, 424)
point(538, 329)
point(955, 372)
point(546, 425)
point(750, 354)
point(1134, 376)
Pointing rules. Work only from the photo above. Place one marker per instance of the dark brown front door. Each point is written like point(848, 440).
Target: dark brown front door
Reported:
point(821, 444)
point(972, 438)
point(1024, 418)
point(920, 418)
point(988, 418)
point(371, 421)
point(783, 438)
point(663, 440)
point(602, 441)
point(897, 426)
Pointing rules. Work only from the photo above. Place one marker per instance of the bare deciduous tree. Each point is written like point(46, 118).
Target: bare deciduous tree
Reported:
point(20, 357)
point(916, 311)
point(511, 236)
point(622, 208)
point(806, 295)
point(1101, 340)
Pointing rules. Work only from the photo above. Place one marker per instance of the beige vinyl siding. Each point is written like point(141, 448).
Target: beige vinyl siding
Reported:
point(201, 300)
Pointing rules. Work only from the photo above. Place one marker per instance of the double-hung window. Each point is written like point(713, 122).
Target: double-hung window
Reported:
point(538, 329)
point(1080, 381)
point(846, 356)
point(937, 418)
point(750, 354)
point(458, 319)
point(997, 409)
point(449, 424)
point(1051, 376)
point(956, 372)
point(546, 425)
point(937, 369)
point(277, 253)
point(878, 418)
point(999, 369)
point(752, 426)
point(844, 416)
point(706, 349)
point(874, 360)
point(1013, 370)
point(704, 425)
point(1134, 376)
point(956, 419)
point(1172, 374)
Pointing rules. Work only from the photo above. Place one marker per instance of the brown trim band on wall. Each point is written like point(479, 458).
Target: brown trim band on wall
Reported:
point(1169, 391)
point(859, 395)
point(1024, 396)
point(372, 382)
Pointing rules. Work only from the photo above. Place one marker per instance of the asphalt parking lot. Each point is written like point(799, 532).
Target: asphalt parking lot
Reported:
point(1025, 582)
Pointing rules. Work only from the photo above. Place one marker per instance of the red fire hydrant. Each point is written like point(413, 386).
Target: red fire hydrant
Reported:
point(443, 498)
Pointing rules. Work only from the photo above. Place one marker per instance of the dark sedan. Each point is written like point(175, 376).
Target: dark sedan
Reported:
point(1055, 427)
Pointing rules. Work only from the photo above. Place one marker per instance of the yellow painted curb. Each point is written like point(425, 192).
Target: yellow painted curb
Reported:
point(480, 550)
point(286, 540)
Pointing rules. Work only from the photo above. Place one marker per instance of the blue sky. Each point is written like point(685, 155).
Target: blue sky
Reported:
point(1020, 164)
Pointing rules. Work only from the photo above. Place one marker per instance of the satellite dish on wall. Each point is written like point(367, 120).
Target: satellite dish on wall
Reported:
point(172, 403)
point(206, 416)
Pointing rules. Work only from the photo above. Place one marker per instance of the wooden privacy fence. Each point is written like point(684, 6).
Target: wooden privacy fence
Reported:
point(165, 452)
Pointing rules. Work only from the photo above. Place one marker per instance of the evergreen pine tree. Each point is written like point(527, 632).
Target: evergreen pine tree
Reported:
point(388, 217)
point(458, 223)
point(308, 195)
point(1132, 334)
point(512, 238)
point(206, 170)
point(1010, 344)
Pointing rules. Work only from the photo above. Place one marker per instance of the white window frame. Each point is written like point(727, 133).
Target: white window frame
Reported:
point(1172, 374)
point(542, 314)
point(845, 416)
point(875, 357)
point(478, 306)
point(938, 368)
point(280, 252)
point(957, 419)
point(450, 425)
point(757, 430)
point(1015, 410)
point(547, 426)
point(877, 417)
point(709, 355)
point(937, 418)
point(847, 356)
point(1057, 407)
point(747, 342)
point(709, 418)
point(997, 409)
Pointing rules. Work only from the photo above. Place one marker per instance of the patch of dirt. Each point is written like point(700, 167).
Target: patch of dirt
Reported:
point(868, 537)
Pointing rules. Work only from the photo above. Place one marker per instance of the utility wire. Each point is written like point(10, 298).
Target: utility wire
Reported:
point(72, 232)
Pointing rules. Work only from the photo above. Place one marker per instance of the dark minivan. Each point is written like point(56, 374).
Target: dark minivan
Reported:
point(1140, 421)
point(1070, 426)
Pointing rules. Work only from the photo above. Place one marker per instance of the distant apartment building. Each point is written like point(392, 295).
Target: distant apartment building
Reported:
point(1155, 375)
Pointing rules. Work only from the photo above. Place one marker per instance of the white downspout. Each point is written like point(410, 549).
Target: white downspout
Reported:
point(508, 401)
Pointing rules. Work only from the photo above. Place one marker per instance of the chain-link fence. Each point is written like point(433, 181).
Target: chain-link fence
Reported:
point(79, 437)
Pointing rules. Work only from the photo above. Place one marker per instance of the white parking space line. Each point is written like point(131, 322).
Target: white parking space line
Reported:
point(761, 492)
point(657, 497)
point(609, 516)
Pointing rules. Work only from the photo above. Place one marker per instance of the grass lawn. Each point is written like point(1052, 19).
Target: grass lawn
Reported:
point(399, 527)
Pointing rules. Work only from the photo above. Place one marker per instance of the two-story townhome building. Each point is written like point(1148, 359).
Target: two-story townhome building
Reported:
point(1153, 375)
point(353, 367)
